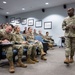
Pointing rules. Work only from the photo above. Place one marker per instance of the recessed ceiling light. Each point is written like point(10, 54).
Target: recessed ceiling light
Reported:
point(23, 8)
point(4, 2)
point(7, 12)
point(46, 3)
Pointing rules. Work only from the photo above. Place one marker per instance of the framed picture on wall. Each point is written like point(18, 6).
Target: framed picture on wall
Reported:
point(38, 24)
point(30, 22)
point(12, 19)
point(18, 20)
point(48, 25)
point(24, 21)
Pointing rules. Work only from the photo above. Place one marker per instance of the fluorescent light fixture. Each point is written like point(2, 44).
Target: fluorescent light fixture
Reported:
point(23, 8)
point(4, 2)
point(46, 3)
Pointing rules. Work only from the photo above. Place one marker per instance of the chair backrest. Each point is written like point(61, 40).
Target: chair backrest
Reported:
point(39, 38)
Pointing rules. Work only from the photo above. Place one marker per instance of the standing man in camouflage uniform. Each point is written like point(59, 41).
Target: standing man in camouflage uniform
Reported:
point(30, 38)
point(68, 26)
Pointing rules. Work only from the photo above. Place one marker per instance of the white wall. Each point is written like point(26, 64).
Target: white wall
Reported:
point(55, 14)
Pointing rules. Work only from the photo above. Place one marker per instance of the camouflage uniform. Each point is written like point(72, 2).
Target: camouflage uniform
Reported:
point(30, 38)
point(7, 49)
point(38, 44)
point(30, 47)
point(18, 47)
point(20, 39)
point(49, 39)
point(35, 33)
point(69, 36)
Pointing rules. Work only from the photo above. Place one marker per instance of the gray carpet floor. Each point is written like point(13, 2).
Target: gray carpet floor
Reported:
point(53, 66)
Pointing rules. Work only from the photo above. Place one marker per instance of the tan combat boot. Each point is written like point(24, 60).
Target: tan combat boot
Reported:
point(50, 45)
point(21, 64)
point(11, 69)
point(42, 52)
point(71, 59)
point(66, 60)
point(29, 60)
point(34, 59)
point(43, 57)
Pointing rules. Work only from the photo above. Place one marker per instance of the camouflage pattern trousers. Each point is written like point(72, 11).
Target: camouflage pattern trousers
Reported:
point(70, 46)
point(30, 47)
point(19, 49)
point(38, 45)
point(9, 52)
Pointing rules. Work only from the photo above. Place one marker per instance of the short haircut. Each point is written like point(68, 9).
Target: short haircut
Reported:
point(46, 32)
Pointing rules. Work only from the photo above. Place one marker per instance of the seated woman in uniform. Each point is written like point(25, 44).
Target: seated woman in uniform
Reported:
point(31, 51)
point(30, 38)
